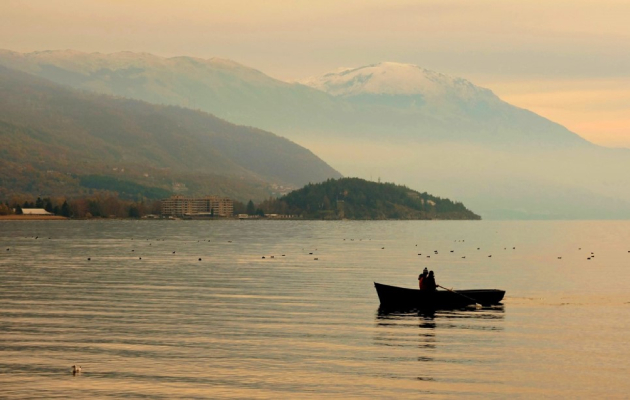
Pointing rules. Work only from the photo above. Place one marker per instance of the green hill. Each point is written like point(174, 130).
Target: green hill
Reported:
point(53, 137)
point(354, 198)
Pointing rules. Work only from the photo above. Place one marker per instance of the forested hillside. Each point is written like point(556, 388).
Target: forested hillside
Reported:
point(354, 198)
point(53, 136)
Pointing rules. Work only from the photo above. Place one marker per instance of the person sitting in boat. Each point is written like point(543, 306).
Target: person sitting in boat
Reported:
point(422, 277)
point(429, 283)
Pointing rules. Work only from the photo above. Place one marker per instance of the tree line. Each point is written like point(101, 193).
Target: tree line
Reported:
point(95, 206)
point(355, 198)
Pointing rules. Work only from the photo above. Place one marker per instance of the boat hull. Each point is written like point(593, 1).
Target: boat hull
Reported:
point(393, 297)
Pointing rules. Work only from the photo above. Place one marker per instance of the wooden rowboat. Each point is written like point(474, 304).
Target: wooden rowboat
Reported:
point(397, 298)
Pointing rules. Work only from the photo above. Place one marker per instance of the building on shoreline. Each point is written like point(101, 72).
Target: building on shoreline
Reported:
point(205, 206)
point(36, 211)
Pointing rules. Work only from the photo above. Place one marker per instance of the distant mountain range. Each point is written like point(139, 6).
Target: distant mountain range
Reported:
point(396, 121)
point(53, 137)
point(404, 101)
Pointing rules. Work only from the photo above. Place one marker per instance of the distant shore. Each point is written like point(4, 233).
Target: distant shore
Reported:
point(31, 217)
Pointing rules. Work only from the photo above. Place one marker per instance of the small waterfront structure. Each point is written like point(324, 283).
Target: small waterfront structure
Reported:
point(35, 211)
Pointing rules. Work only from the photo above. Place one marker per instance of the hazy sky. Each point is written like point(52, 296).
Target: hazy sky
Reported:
point(566, 60)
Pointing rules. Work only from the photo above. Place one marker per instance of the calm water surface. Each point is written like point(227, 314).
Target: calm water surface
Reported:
point(235, 325)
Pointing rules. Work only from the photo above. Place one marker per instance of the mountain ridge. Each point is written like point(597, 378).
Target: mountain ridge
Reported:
point(48, 127)
point(247, 96)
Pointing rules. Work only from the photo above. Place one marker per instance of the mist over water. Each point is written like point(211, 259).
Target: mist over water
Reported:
point(235, 325)
point(513, 181)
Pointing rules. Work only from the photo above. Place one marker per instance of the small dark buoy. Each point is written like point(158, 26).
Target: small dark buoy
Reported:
point(478, 248)
point(513, 248)
point(310, 253)
point(8, 250)
point(263, 257)
point(419, 254)
point(559, 258)
point(452, 251)
point(132, 250)
point(316, 259)
point(89, 258)
point(283, 255)
point(173, 252)
point(139, 258)
point(464, 257)
point(588, 258)
point(229, 241)
point(382, 248)
point(428, 256)
point(273, 257)
point(200, 259)
point(490, 255)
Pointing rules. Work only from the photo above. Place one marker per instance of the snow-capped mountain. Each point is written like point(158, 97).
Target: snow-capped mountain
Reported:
point(401, 122)
point(391, 78)
point(363, 102)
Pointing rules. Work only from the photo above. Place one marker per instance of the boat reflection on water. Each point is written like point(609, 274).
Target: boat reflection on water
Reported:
point(432, 343)
point(491, 312)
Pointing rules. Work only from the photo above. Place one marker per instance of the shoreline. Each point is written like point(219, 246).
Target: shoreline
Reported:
point(31, 217)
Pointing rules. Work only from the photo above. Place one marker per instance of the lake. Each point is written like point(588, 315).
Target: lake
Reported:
point(191, 309)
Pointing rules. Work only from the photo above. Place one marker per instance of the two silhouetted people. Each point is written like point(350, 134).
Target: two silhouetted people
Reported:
point(426, 281)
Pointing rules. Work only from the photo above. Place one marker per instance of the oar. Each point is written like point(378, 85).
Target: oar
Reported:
point(477, 305)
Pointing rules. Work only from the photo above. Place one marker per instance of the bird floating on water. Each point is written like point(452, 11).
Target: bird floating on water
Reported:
point(76, 369)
